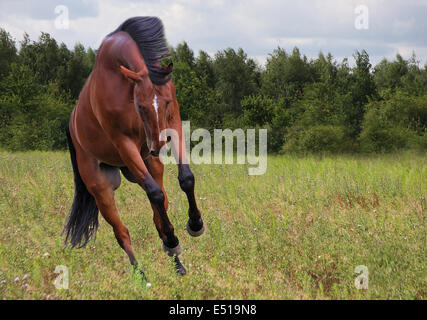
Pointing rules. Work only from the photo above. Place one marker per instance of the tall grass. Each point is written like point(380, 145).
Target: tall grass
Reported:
point(297, 232)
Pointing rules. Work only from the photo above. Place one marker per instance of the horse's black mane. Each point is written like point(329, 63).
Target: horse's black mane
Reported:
point(148, 33)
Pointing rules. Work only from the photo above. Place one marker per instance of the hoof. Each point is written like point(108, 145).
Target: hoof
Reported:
point(172, 251)
point(143, 276)
point(179, 267)
point(195, 233)
point(145, 279)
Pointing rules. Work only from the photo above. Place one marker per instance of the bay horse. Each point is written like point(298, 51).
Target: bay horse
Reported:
point(116, 125)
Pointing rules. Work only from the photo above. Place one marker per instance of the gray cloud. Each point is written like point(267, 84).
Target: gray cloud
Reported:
point(258, 26)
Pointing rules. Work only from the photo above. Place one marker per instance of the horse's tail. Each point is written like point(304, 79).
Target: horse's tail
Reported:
point(83, 219)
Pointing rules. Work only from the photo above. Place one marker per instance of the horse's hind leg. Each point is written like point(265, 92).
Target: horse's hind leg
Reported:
point(156, 169)
point(101, 181)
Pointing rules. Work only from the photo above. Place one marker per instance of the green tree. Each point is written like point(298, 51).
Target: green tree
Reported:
point(43, 57)
point(183, 53)
point(32, 116)
point(204, 68)
point(236, 76)
point(7, 52)
point(76, 71)
point(415, 80)
point(257, 110)
point(388, 75)
point(363, 89)
point(195, 98)
point(286, 75)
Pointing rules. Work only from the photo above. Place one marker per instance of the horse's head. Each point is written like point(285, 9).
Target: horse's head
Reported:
point(152, 102)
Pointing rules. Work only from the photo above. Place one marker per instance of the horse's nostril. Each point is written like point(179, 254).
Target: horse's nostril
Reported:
point(154, 153)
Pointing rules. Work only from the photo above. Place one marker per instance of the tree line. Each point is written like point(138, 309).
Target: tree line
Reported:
point(307, 105)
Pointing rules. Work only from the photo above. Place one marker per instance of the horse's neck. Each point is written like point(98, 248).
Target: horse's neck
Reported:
point(124, 51)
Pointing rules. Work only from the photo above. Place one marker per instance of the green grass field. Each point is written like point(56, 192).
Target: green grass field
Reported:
point(297, 232)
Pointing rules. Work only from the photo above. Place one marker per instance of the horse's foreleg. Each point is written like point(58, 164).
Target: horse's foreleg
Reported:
point(195, 226)
point(133, 161)
point(156, 169)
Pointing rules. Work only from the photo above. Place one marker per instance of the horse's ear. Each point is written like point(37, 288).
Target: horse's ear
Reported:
point(130, 75)
point(169, 68)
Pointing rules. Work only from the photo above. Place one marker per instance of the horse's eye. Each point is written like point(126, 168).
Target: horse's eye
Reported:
point(142, 109)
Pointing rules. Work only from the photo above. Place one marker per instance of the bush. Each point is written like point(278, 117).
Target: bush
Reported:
point(378, 139)
point(257, 109)
point(399, 121)
point(320, 138)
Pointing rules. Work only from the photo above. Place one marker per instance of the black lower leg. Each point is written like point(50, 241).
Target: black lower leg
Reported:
point(179, 267)
point(140, 271)
point(169, 239)
point(157, 198)
point(134, 264)
point(187, 182)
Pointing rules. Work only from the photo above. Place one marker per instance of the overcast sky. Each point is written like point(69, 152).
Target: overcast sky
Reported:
point(258, 26)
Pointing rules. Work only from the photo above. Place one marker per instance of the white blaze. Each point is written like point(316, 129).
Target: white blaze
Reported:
point(156, 107)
